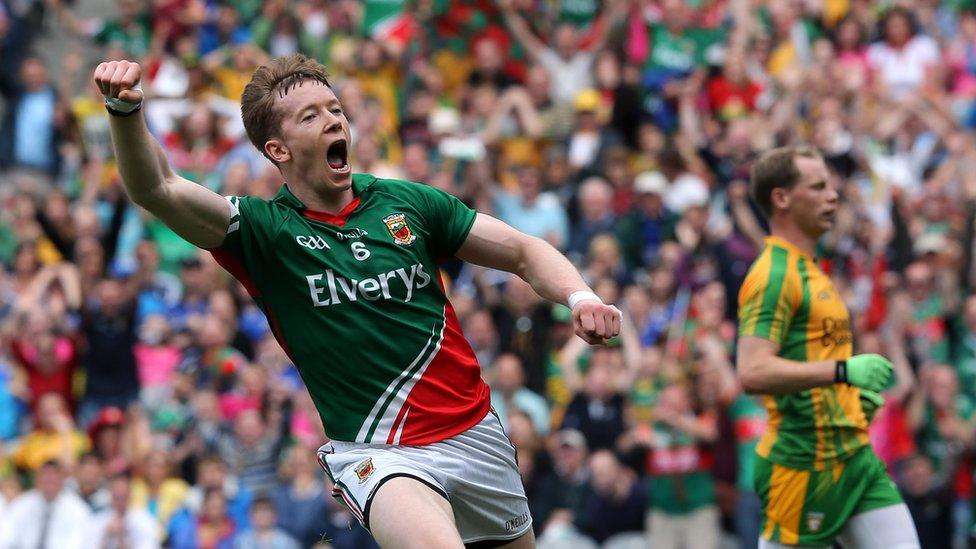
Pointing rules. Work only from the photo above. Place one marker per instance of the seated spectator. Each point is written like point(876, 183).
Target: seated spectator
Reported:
point(598, 409)
point(563, 493)
point(121, 525)
point(531, 210)
point(618, 501)
point(211, 474)
point(301, 501)
point(252, 450)
point(263, 533)
point(89, 482)
point(55, 438)
point(48, 516)
point(930, 499)
point(157, 490)
point(509, 393)
point(211, 527)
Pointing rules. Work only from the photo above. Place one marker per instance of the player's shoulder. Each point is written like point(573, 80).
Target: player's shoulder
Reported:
point(775, 263)
point(393, 186)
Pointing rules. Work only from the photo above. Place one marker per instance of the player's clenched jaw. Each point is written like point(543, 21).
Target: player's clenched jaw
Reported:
point(313, 141)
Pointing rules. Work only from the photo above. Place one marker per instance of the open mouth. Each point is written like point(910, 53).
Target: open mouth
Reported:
point(338, 157)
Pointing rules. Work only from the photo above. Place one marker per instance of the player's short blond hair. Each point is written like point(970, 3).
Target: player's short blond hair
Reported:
point(774, 169)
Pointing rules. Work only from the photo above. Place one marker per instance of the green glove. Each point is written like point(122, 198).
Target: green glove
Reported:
point(871, 402)
point(871, 372)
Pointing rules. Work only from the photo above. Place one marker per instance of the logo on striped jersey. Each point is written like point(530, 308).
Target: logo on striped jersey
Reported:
point(313, 242)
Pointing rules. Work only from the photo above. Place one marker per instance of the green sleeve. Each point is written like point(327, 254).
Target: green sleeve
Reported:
point(448, 219)
point(250, 237)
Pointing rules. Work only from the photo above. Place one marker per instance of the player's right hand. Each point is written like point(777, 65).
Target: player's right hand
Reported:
point(118, 79)
point(869, 371)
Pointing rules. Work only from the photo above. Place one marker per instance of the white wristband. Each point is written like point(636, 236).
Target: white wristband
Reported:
point(123, 107)
point(582, 295)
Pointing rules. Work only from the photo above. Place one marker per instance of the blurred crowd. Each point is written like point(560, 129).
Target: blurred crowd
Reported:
point(143, 400)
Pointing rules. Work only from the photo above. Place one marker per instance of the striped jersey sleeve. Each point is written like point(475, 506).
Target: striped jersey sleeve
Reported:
point(767, 300)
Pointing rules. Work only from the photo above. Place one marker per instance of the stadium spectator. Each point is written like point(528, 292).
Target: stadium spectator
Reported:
point(88, 482)
point(33, 127)
point(55, 437)
point(930, 498)
point(562, 494)
point(263, 533)
point(121, 525)
point(210, 527)
point(618, 501)
point(48, 515)
point(510, 394)
point(109, 326)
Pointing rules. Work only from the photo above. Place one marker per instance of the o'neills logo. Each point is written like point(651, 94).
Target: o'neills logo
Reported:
point(399, 230)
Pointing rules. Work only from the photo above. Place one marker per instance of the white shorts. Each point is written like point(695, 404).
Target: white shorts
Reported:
point(475, 471)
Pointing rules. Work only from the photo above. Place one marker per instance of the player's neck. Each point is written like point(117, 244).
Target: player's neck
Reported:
point(789, 232)
point(323, 201)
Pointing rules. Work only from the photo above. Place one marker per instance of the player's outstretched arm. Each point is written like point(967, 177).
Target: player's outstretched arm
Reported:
point(196, 213)
point(492, 243)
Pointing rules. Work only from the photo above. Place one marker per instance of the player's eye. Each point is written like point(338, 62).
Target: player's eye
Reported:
point(337, 110)
point(308, 117)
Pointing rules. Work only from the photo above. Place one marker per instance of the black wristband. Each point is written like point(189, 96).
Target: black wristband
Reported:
point(840, 372)
point(121, 114)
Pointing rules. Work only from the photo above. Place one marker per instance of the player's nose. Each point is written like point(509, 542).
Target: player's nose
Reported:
point(332, 124)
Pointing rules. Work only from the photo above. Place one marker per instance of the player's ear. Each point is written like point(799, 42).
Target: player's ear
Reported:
point(780, 198)
point(277, 151)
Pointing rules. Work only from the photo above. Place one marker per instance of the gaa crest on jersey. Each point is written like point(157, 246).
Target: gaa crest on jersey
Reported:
point(364, 469)
point(399, 230)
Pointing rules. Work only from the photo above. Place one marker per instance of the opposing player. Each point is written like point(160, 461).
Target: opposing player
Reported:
point(817, 476)
point(344, 265)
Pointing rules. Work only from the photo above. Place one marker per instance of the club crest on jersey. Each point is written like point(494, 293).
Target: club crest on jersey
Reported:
point(364, 469)
point(399, 230)
point(814, 521)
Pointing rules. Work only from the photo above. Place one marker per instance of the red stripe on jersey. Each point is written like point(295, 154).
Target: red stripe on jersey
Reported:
point(450, 397)
point(334, 219)
point(236, 269)
point(276, 331)
point(396, 424)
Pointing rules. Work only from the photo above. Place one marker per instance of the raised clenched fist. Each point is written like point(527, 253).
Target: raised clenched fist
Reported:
point(595, 322)
point(118, 79)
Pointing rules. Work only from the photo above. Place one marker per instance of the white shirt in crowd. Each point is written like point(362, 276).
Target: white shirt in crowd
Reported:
point(140, 530)
point(30, 522)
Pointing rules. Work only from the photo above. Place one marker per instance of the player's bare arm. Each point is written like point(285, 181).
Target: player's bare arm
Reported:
point(492, 243)
point(194, 212)
point(761, 371)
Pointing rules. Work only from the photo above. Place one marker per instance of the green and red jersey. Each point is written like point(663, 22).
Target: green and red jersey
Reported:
point(356, 301)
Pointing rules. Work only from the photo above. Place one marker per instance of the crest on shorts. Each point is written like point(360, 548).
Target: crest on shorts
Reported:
point(364, 469)
point(814, 521)
point(399, 230)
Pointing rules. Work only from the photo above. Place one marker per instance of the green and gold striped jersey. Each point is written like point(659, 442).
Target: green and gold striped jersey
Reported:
point(787, 299)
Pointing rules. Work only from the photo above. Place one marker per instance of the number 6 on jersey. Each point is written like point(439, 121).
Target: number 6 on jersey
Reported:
point(359, 251)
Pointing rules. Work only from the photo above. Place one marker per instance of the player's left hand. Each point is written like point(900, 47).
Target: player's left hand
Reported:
point(596, 322)
point(871, 402)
